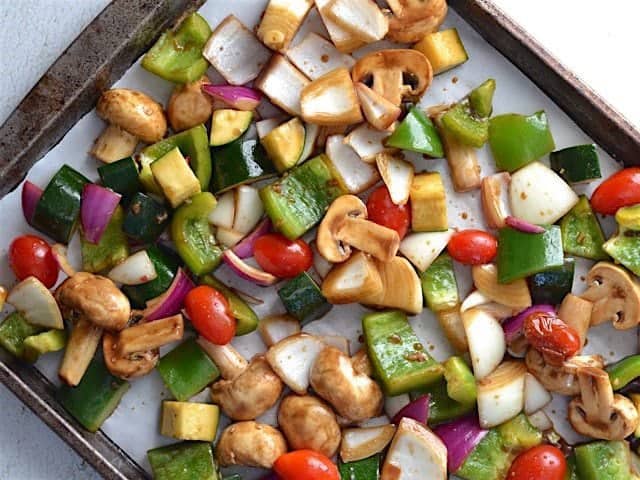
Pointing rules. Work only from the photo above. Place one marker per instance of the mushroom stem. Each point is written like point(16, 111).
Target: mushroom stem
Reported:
point(113, 144)
point(364, 235)
point(228, 360)
point(361, 363)
point(150, 335)
point(82, 345)
point(576, 313)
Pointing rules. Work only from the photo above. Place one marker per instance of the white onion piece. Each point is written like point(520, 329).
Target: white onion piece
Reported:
point(362, 17)
point(337, 341)
point(473, 300)
point(422, 248)
point(320, 264)
point(485, 337)
point(134, 270)
point(344, 40)
point(292, 359)
point(277, 327)
point(227, 237)
point(393, 405)
point(541, 421)
point(249, 209)
point(224, 212)
point(283, 84)
point(311, 133)
point(36, 303)
point(501, 394)
point(315, 55)
point(367, 142)
point(59, 252)
point(355, 174)
point(536, 397)
point(397, 175)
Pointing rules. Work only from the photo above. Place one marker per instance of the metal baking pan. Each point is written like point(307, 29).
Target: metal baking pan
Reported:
point(112, 43)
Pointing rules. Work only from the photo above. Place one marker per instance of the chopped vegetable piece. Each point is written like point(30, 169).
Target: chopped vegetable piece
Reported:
point(582, 234)
point(45, 342)
point(517, 140)
point(175, 178)
point(98, 205)
point(31, 256)
point(351, 173)
point(486, 341)
point(210, 314)
point(363, 18)
point(628, 218)
point(95, 398)
point(314, 56)
point(29, 197)
point(460, 437)
point(472, 247)
point(383, 211)
point(624, 248)
point(416, 133)
point(365, 469)
point(240, 98)
point(303, 299)
point(624, 372)
point(189, 421)
point(187, 370)
point(523, 254)
point(14, 330)
point(519, 434)
point(112, 248)
point(460, 122)
point(462, 160)
point(113, 144)
point(247, 320)
point(36, 303)
point(488, 460)
point(398, 358)
point(451, 324)
point(552, 285)
point(228, 125)
point(331, 100)
point(166, 265)
point(461, 384)
point(579, 164)
point(481, 98)
point(604, 461)
point(344, 40)
point(183, 461)
point(284, 144)
point(121, 177)
point(544, 461)
point(305, 464)
point(439, 285)
point(444, 49)
point(283, 84)
point(428, 203)
point(177, 55)
point(280, 22)
point(617, 191)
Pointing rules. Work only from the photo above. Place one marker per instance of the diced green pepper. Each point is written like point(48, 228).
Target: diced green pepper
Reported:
point(303, 299)
point(461, 384)
point(439, 285)
point(462, 124)
point(187, 370)
point(604, 461)
point(110, 250)
point(490, 460)
point(183, 461)
point(166, 264)
point(582, 234)
point(365, 469)
point(14, 330)
point(442, 408)
point(193, 236)
point(96, 396)
point(522, 254)
point(416, 133)
point(518, 434)
point(628, 218)
point(399, 360)
point(572, 469)
point(177, 55)
point(517, 140)
point(145, 219)
point(247, 320)
point(623, 372)
point(577, 164)
point(45, 342)
point(481, 98)
point(122, 177)
point(624, 248)
point(552, 285)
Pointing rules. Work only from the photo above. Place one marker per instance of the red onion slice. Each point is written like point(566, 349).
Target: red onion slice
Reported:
point(98, 205)
point(523, 225)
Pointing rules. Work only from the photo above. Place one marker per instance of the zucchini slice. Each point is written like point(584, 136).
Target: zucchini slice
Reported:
point(579, 164)
point(285, 143)
point(228, 125)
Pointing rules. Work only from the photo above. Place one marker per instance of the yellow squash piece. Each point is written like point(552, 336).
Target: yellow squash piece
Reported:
point(175, 177)
point(190, 421)
point(284, 144)
point(428, 203)
point(444, 49)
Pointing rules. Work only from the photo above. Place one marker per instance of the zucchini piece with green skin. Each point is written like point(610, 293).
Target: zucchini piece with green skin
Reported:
point(110, 250)
point(439, 285)
point(246, 318)
point(461, 384)
point(121, 177)
point(398, 358)
point(228, 125)
point(172, 173)
point(552, 285)
point(166, 264)
point(442, 408)
point(296, 202)
point(579, 164)
point(187, 370)
point(572, 468)
point(604, 460)
point(14, 330)
point(490, 460)
point(56, 213)
point(45, 342)
point(365, 469)
point(518, 434)
point(145, 219)
point(193, 236)
point(416, 133)
point(582, 234)
point(284, 144)
point(623, 372)
point(240, 162)
point(463, 124)
point(303, 299)
point(624, 248)
point(183, 461)
point(192, 143)
point(522, 254)
point(481, 98)
point(95, 398)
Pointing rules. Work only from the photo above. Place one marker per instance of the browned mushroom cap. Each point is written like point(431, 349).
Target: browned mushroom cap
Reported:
point(251, 444)
point(615, 296)
point(598, 412)
point(189, 105)
point(328, 245)
point(563, 379)
point(413, 19)
point(127, 366)
point(395, 74)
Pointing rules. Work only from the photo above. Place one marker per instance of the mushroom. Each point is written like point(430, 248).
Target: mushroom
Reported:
point(353, 395)
point(576, 313)
point(292, 358)
point(561, 379)
point(355, 281)
point(360, 443)
point(345, 226)
point(362, 363)
point(94, 298)
point(413, 19)
point(81, 347)
point(379, 112)
point(189, 105)
point(598, 412)
point(127, 365)
point(274, 328)
point(331, 100)
point(132, 115)
point(309, 423)
point(150, 335)
point(615, 296)
point(396, 74)
point(250, 444)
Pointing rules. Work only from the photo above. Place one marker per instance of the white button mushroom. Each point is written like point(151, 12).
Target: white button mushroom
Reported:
point(250, 444)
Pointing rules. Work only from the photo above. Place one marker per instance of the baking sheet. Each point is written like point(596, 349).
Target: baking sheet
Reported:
point(135, 424)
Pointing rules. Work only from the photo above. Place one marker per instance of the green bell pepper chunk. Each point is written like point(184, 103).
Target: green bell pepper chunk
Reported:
point(490, 460)
point(481, 98)
point(247, 320)
point(552, 285)
point(192, 234)
point(45, 342)
point(442, 408)
point(582, 234)
point(192, 143)
point(365, 469)
point(623, 372)
point(112, 248)
point(183, 461)
point(461, 384)
point(14, 330)
point(517, 140)
point(439, 286)
point(518, 434)
point(604, 461)
point(462, 124)
point(572, 469)
point(522, 254)
point(624, 248)
point(417, 133)
point(177, 55)
point(187, 370)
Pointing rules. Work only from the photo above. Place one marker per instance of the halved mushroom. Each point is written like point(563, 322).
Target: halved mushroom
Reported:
point(113, 144)
point(413, 19)
point(331, 100)
point(401, 287)
point(514, 294)
point(293, 358)
point(615, 296)
point(562, 379)
point(359, 443)
point(355, 281)
point(127, 365)
point(283, 84)
point(189, 105)
point(345, 226)
point(353, 395)
point(274, 328)
point(250, 444)
point(395, 74)
point(379, 112)
point(576, 312)
point(598, 412)
point(495, 199)
point(362, 363)
point(363, 18)
point(451, 323)
point(228, 360)
point(81, 347)
point(280, 22)
point(309, 423)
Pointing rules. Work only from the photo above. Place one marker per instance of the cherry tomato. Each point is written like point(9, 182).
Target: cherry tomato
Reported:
point(305, 464)
point(619, 190)
point(556, 340)
point(284, 258)
point(472, 247)
point(544, 462)
point(30, 256)
point(210, 314)
point(384, 212)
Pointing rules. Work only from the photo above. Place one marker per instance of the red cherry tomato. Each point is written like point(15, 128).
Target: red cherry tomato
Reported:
point(472, 247)
point(556, 340)
point(210, 314)
point(30, 256)
point(544, 462)
point(279, 256)
point(619, 190)
point(384, 212)
point(307, 465)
